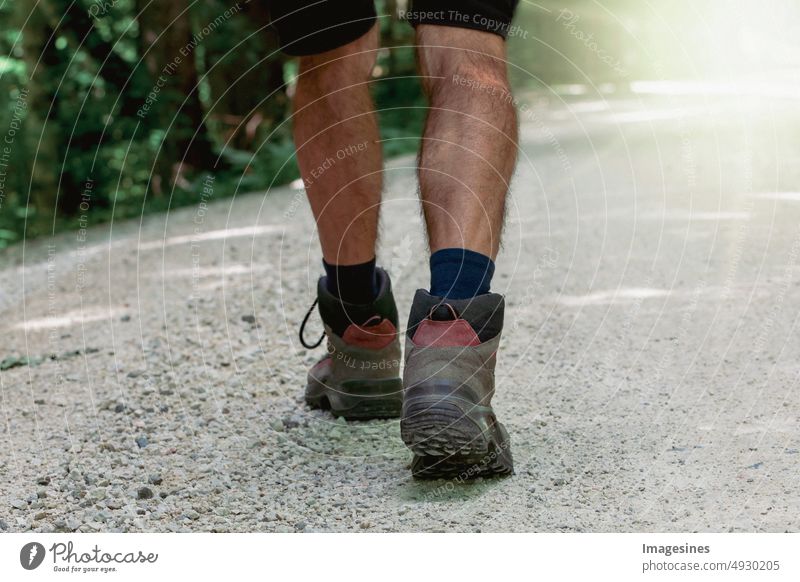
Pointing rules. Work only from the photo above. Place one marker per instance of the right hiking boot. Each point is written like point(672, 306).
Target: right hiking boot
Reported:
point(448, 421)
point(359, 377)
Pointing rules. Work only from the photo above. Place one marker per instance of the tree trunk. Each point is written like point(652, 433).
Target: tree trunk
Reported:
point(240, 79)
point(38, 138)
point(167, 39)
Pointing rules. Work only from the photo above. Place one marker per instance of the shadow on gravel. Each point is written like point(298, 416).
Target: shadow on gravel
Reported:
point(442, 490)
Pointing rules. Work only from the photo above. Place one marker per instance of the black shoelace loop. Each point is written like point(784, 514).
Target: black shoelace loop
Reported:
point(303, 327)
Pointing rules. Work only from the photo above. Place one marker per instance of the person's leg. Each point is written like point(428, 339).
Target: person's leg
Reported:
point(338, 148)
point(468, 154)
point(338, 151)
point(453, 333)
point(470, 141)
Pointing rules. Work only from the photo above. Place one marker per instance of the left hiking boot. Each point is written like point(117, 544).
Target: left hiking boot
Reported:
point(359, 378)
point(448, 384)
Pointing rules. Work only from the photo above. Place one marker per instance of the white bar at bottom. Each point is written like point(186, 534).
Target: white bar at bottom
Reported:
point(423, 557)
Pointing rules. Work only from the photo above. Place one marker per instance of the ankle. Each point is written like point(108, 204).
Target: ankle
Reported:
point(460, 273)
point(353, 284)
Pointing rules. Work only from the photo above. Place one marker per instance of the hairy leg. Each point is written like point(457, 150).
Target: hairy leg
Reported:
point(470, 140)
point(338, 148)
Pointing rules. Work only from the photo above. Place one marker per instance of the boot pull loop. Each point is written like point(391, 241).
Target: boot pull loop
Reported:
point(375, 319)
point(452, 309)
point(303, 327)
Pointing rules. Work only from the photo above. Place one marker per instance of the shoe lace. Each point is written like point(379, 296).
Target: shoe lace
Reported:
point(303, 327)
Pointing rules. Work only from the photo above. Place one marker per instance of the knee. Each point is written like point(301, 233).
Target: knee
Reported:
point(339, 68)
point(459, 59)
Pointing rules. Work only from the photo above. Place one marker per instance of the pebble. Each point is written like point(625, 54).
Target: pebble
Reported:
point(144, 493)
point(155, 479)
point(97, 494)
point(141, 441)
point(18, 504)
point(102, 516)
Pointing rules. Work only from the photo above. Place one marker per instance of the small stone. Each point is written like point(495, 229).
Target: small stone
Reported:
point(44, 480)
point(293, 421)
point(3, 525)
point(249, 318)
point(119, 407)
point(18, 504)
point(276, 424)
point(125, 318)
point(365, 525)
point(144, 493)
point(141, 441)
point(300, 525)
point(73, 524)
point(102, 516)
point(40, 516)
point(155, 479)
point(97, 494)
point(192, 514)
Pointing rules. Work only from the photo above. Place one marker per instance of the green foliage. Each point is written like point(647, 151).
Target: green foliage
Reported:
point(75, 76)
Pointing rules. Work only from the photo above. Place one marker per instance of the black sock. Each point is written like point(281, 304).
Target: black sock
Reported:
point(460, 273)
point(356, 284)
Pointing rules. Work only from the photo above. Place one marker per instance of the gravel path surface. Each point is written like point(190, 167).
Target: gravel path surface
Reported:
point(152, 378)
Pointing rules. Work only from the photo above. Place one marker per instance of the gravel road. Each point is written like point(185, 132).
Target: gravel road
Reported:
point(152, 378)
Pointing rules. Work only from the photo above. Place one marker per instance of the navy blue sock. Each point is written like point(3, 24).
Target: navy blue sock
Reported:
point(460, 273)
point(356, 284)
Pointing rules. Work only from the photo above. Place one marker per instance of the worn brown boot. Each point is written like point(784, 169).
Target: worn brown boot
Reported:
point(359, 378)
point(448, 421)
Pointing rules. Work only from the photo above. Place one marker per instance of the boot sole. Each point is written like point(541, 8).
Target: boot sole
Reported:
point(451, 437)
point(358, 399)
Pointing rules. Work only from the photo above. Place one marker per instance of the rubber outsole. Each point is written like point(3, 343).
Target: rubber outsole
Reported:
point(358, 400)
point(452, 438)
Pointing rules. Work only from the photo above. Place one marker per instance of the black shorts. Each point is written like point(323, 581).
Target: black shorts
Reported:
point(307, 27)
